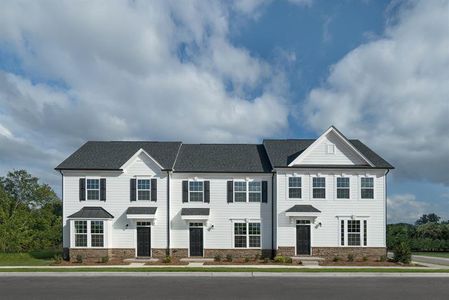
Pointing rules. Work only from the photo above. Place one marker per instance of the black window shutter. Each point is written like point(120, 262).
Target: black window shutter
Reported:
point(82, 189)
point(207, 191)
point(154, 189)
point(185, 191)
point(132, 189)
point(230, 191)
point(103, 189)
point(264, 191)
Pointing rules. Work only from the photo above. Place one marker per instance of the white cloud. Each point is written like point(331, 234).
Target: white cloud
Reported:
point(393, 92)
point(404, 208)
point(130, 70)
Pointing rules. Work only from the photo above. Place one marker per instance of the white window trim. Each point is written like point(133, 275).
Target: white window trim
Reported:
point(247, 191)
point(137, 188)
point(336, 187)
point(188, 189)
point(246, 222)
point(99, 188)
point(312, 187)
point(89, 233)
point(362, 232)
point(360, 187)
point(288, 187)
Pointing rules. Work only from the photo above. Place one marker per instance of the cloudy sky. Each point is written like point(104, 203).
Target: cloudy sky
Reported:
point(205, 71)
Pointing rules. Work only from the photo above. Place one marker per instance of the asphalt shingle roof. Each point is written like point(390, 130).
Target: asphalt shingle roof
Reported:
point(248, 158)
point(92, 212)
point(195, 212)
point(282, 152)
point(303, 209)
point(141, 210)
point(112, 155)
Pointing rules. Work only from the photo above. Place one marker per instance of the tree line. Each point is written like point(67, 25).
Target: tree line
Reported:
point(428, 233)
point(30, 214)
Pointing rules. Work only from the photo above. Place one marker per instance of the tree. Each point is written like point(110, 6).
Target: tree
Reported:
point(429, 218)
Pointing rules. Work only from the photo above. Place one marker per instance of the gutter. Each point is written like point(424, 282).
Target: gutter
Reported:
point(386, 207)
point(272, 215)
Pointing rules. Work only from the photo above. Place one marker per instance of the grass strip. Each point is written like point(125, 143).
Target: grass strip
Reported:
point(258, 270)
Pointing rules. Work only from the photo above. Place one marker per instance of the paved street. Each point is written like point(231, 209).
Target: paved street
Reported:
point(222, 288)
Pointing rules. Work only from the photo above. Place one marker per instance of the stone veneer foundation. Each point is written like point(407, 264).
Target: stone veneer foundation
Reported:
point(237, 253)
point(331, 252)
point(120, 253)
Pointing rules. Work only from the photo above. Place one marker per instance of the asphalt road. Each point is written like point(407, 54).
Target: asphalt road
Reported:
point(222, 288)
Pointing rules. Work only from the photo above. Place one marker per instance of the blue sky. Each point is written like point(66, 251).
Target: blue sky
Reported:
point(231, 71)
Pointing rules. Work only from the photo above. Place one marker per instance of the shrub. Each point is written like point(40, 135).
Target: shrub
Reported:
point(288, 260)
point(247, 259)
point(228, 257)
point(365, 258)
point(167, 259)
point(217, 257)
point(79, 259)
point(383, 258)
point(279, 259)
point(336, 259)
point(104, 259)
point(350, 257)
point(57, 259)
point(402, 253)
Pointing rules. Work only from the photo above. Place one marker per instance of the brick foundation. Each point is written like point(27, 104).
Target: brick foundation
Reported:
point(123, 253)
point(237, 253)
point(179, 252)
point(343, 252)
point(286, 251)
point(158, 253)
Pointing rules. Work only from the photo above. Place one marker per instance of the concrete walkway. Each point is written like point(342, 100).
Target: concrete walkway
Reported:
point(431, 260)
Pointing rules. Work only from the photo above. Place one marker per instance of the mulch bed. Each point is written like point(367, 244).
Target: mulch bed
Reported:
point(364, 264)
point(251, 262)
point(91, 263)
point(174, 262)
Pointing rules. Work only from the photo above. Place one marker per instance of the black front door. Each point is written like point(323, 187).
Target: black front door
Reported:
point(303, 239)
point(143, 241)
point(196, 241)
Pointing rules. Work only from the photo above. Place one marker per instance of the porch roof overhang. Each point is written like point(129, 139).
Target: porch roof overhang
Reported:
point(141, 213)
point(91, 212)
point(298, 211)
point(192, 214)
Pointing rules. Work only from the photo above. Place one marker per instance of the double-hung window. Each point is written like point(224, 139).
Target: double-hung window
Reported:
point(294, 188)
point(97, 233)
point(367, 187)
point(196, 191)
point(319, 187)
point(254, 191)
point(80, 233)
point(93, 189)
point(354, 232)
point(143, 189)
point(247, 235)
point(247, 191)
point(342, 188)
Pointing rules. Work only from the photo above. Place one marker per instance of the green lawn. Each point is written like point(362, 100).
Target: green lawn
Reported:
point(35, 258)
point(434, 254)
point(212, 269)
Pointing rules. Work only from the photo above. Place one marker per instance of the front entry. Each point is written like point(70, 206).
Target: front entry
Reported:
point(302, 239)
point(144, 241)
point(196, 239)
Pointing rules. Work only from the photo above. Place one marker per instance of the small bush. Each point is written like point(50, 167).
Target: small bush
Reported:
point(247, 259)
point(79, 259)
point(167, 259)
point(57, 259)
point(104, 259)
point(279, 259)
point(228, 257)
point(288, 260)
point(336, 259)
point(383, 258)
point(350, 257)
point(402, 253)
point(217, 257)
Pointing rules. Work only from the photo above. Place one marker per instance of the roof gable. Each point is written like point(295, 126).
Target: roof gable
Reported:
point(141, 159)
point(331, 148)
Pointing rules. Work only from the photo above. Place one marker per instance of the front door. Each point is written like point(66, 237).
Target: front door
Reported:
point(302, 239)
point(196, 240)
point(143, 241)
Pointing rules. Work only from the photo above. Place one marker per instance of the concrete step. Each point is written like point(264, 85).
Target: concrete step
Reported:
point(141, 260)
point(197, 259)
point(308, 260)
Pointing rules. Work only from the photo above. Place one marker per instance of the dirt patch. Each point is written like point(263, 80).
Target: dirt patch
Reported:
point(173, 262)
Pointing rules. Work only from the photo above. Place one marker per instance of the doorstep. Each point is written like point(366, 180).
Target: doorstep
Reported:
point(197, 259)
point(141, 260)
point(308, 261)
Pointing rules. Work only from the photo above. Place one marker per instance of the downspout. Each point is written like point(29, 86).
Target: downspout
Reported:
point(272, 215)
point(65, 253)
point(168, 214)
point(386, 206)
